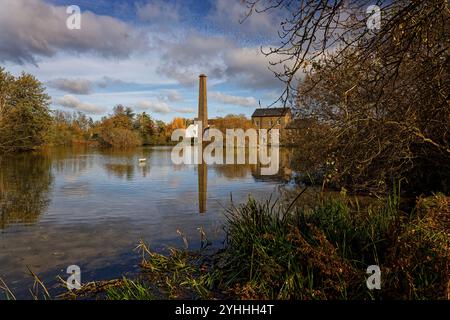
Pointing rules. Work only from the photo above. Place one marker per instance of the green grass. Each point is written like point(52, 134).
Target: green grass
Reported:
point(129, 290)
point(274, 254)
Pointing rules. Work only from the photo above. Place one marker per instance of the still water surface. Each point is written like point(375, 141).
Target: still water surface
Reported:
point(90, 208)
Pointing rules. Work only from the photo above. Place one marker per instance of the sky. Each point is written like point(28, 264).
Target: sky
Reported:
point(146, 54)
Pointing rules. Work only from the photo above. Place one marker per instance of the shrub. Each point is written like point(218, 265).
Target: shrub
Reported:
point(323, 253)
point(118, 137)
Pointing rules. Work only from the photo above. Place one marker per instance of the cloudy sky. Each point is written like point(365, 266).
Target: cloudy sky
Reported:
point(146, 54)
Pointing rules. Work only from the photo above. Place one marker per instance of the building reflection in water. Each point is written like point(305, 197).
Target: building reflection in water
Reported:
point(232, 171)
point(284, 173)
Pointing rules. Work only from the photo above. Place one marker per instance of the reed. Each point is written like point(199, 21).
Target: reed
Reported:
point(323, 253)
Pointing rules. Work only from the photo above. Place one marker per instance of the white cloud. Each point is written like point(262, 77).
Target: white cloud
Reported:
point(155, 106)
point(234, 100)
point(107, 81)
point(138, 69)
point(250, 67)
point(76, 86)
point(33, 28)
point(170, 95)
point(184, 110)
point(221, 59)
point(71, 102)
point(160, 107)
point(184, 59)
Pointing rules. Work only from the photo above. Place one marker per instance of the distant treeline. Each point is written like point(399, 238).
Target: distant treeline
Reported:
point(27, 123)
point(123, 128)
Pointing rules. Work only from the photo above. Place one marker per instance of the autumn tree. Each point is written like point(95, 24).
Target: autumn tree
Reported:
point(24, 112)
point(117, 129)
point(70, 127)
point(145, 125)
point(231, 121)
point(177, 123)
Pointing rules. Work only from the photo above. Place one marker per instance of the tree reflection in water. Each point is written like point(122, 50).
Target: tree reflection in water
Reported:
point(25, 183)
point(124, 164)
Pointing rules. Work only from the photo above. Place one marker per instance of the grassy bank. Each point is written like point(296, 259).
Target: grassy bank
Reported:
point(275, 252)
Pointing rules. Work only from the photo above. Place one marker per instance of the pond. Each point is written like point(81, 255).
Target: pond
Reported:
point(90, 207)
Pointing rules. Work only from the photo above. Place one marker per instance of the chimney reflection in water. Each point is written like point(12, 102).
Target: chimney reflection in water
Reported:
point(202, 172)
point(202, 169)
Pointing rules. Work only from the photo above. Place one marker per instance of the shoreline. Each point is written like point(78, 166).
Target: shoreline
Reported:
point(272, 254)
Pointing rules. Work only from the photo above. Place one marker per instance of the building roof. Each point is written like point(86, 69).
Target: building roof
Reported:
point(270, 112)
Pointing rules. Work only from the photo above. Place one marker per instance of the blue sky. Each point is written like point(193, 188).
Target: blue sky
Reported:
point(146, 54)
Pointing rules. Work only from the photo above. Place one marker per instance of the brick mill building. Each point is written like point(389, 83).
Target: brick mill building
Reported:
point(273, 118)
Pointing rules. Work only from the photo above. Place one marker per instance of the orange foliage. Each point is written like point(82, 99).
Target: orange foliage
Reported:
point(177, 123)
point(231, 121)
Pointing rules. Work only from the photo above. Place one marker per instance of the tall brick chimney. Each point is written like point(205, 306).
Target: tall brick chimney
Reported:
point(202, 102)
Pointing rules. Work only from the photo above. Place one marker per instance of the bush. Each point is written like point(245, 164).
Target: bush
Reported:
point(323, 253)
point(118, 137)
point(418, 260)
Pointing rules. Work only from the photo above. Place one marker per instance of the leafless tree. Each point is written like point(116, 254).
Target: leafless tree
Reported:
point(384, 93)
